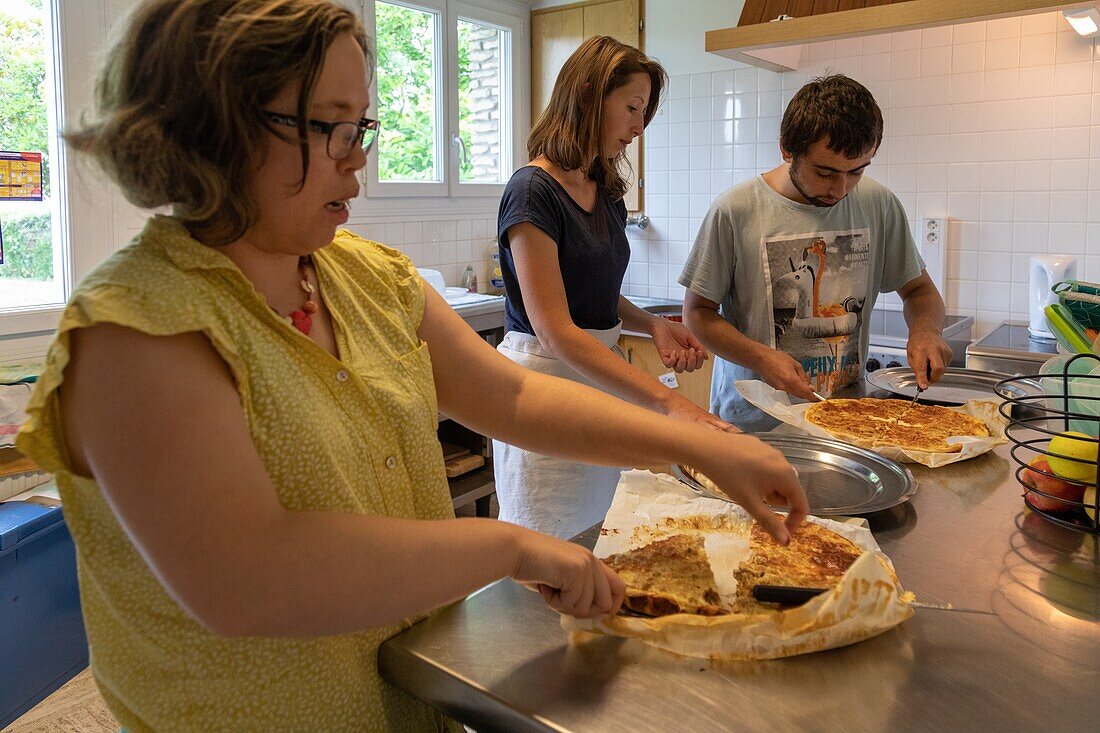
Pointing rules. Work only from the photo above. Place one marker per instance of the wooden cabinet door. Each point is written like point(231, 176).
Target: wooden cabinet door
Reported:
point(554, 36)
point(641, 352)
point(556, 33)
point(620, 19)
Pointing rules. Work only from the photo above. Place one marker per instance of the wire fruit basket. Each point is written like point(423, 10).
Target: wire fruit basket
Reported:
point(1067, 409)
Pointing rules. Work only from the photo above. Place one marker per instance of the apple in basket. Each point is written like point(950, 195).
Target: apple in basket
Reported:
point(1052, 485)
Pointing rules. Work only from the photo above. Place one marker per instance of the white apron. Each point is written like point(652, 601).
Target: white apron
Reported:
point(557, 497)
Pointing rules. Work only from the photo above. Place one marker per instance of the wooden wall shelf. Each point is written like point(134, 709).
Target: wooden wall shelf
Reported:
point(777, 46)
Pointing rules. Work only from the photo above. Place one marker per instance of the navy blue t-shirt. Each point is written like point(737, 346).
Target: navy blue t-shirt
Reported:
point(593, 251)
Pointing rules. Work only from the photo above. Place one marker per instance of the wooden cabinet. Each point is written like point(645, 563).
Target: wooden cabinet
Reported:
point(764, 11)
point(557, 32)
point(777, 46)
point(477, 485)
point(640, 351)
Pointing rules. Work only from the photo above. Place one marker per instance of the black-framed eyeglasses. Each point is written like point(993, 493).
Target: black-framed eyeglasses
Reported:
point(342, 136)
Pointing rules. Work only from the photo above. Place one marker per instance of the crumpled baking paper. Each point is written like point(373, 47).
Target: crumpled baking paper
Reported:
point(868, 601)
point(778, 405)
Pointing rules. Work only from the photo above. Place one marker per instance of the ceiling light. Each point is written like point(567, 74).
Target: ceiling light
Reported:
point(1086, 21)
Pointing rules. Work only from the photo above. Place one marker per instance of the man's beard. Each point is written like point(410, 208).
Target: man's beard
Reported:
point(793, 172)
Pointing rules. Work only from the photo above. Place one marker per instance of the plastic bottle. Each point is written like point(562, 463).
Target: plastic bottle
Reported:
point(496, 277)
point(469, 279)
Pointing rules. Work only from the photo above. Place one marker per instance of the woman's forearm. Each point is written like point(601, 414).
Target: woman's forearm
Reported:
point(588, 356)
point(564, 419)
point(634, 318)
point(321, 573)
point(560, 418)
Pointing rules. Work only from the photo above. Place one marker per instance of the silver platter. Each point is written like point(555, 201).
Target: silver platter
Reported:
point(955, 387)
point(839, 479)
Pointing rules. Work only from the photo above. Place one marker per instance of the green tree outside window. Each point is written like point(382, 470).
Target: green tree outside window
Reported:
point(28, 241)
point(406, 93)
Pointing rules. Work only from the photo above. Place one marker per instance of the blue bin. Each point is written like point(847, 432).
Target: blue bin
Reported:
point(42, 640)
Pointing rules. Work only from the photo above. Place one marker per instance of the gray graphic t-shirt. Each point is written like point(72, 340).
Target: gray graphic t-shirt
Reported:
point(799, 278)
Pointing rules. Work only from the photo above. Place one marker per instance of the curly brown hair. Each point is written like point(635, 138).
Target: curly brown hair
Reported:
point(179, 103)
point(568, 130)
point(835, 108)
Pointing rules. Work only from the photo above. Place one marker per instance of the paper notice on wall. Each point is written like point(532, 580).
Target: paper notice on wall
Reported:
point(20, 176)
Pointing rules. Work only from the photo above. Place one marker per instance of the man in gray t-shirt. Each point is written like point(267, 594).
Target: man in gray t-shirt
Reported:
point(787, 265)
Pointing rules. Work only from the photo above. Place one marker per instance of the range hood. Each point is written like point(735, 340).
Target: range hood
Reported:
point(777, 45)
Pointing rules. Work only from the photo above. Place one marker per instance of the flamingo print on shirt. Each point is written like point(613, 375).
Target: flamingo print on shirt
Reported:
point(817, 285)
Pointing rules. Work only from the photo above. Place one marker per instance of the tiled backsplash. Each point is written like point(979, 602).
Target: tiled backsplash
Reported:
point(446, 245)
point(994, 124)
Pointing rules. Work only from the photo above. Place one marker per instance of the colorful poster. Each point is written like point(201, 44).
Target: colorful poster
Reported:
point(817, 283)
point(20, 176)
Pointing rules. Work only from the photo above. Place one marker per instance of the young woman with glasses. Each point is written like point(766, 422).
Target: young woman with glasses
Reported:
point(564, 254)
point(241, 405)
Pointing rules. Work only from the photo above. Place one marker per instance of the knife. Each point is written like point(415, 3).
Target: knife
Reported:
point(818, 396)
point(792, 596)
point(928, 373)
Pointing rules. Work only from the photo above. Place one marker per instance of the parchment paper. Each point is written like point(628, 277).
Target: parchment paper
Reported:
point(778, 405)
point(647, 506)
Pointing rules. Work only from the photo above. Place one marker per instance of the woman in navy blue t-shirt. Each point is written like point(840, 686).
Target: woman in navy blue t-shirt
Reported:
point(564, 253)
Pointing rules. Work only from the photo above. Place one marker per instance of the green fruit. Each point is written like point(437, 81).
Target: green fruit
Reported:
point(1074, 445)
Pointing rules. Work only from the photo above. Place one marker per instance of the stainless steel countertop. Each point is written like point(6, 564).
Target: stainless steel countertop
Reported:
point(500, 661)
point(483, 316)
point(1012, 340)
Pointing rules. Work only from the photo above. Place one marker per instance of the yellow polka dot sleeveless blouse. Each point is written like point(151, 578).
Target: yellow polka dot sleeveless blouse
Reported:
point(354, 434)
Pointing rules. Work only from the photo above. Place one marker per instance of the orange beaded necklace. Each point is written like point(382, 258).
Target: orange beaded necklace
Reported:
point(302, 319)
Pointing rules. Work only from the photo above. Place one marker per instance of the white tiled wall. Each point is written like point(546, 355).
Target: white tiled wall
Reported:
point(447, 245)
point(995, 125)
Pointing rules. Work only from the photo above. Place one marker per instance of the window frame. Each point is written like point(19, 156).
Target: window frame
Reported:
point(509, 73)
point(381, 196)
point(81, 200)
point(399, 189)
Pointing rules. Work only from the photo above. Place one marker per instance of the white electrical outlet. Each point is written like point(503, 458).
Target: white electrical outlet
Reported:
point(933, 248)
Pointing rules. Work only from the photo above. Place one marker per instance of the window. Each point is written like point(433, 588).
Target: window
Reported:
point(31, 265)
point(444, 96)
point(408, 100)
point(481, 113)
point(46, 83)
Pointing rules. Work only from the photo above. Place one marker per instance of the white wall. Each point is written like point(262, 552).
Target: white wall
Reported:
point(995, 125)
point(675, 31)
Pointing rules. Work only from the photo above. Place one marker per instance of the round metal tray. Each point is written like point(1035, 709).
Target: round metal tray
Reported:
point(955, 387)
point(838, 478)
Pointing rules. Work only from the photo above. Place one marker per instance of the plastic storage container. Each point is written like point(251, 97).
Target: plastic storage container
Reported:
point(42, 642)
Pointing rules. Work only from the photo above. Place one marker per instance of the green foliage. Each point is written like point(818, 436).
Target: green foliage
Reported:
point(465, 110)
point(23, 116)
point(28, 248)
point(406, 93)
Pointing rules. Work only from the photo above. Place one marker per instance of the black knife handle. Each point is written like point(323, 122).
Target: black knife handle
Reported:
point(784, 594)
